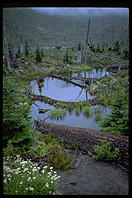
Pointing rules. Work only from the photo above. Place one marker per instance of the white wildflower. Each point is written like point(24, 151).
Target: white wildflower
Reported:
point(47, 185)
point(31, 188)
point(29, 178)
point(21, 182)
point(5, 181)
point(34, 178)
point(25, 169)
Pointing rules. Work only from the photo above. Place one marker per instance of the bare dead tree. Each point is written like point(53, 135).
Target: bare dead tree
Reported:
point(6, 49)
point(21, 46)
point(58, 47)
point(86, 44)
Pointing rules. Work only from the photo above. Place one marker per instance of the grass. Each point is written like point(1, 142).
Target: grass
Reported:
point(98, 117)
point(85, 68)
point(86, 110)
point(58, 113)
point(97, 112)
point(77, 110)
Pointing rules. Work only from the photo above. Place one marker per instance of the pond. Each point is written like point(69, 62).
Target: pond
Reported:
point(70, 119)
point(60, 90)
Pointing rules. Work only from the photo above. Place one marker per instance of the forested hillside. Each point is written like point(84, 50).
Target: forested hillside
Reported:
point(43, 29)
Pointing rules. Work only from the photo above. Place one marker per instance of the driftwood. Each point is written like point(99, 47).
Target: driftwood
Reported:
point(51, 101)
point(70, 79)
point(86, 139)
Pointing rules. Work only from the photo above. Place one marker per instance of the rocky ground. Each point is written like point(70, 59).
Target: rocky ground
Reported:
point(93, 177)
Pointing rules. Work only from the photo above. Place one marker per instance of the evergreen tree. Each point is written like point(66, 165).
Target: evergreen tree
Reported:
point(38, 55)
point(66, 57)
point(26, 49)
point(42, 52)
point(18, 53)
point(79, 46)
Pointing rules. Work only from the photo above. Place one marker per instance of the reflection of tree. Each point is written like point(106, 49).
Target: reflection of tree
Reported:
point(40, 85)
point(79, 94)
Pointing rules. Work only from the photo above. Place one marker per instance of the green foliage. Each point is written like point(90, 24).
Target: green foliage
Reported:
point(60, 105)
point(26, 49)
point(59, 158)
point(67, 72)
point(77, 110)
point(25, 178)
point(125, 54)
point(37, 29)
point(117, 121)
point(42, 52)
point(50, 147)
point(67, 58)
point(85, 68)
point(39, 150)
point(104, 152)
point(38, 55)
point(16, 123)
point(18, 54)
point(58, 113)
point(86, 110)
point(79, 46)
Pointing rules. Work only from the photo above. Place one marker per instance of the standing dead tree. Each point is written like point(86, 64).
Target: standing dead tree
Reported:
point(86, 43)
point(21, 46)
point(6, 49)
point(58, 47)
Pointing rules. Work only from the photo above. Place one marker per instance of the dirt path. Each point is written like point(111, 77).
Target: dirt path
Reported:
point(92, 177)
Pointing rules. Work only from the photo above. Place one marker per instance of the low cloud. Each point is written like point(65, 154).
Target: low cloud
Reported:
point(74, 11)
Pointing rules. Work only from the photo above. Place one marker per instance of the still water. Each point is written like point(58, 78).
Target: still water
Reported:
point(71, 119)
point(95, 73)
point(60, 90)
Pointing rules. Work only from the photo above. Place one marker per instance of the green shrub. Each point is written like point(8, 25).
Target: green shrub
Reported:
point(60, 159)
point(48, 146)
point(25, 178)
point(39, 150)
point(104, 152)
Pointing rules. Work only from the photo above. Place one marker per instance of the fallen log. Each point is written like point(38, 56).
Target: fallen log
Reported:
point(86, 139)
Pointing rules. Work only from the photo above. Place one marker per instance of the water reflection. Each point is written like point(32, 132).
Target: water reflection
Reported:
point(60, 90)
point(71, 119)
point(95, 73)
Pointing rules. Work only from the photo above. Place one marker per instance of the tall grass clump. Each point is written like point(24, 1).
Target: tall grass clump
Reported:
point(57, 113)
point(97, 113)
point(86, 110)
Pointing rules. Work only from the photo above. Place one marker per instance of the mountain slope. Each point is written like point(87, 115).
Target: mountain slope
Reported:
point(43, 29)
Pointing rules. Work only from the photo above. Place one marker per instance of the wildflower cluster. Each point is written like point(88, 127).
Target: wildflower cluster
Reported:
point(25, 178)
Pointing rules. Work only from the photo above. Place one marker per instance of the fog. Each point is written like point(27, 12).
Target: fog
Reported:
point(74, 11)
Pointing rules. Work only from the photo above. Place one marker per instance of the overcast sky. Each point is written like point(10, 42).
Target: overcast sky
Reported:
point(81, 10)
